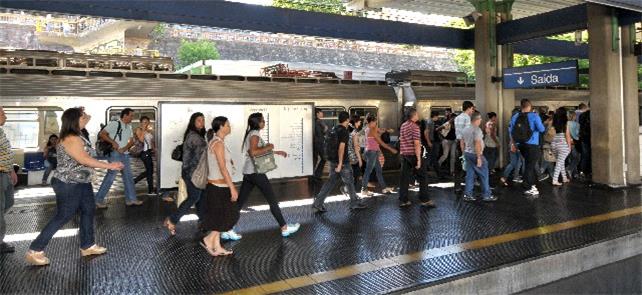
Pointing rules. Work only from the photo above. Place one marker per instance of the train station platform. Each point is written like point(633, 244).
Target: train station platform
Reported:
point(503, 247)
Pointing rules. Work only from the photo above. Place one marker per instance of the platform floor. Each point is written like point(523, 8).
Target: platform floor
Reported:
point(382, 249)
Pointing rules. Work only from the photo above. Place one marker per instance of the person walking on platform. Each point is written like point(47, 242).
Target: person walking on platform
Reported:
point(120, 135)
point(448, 143)
point(461, 122)
point(49, 154)
point(574, 156)
point(561, 145)
point(524, 129)
point(373, 141)
point(431, 142)
point(194, 145)
point(585, 143)
point(220, 212)
point(411, 163)
point(354, 152)
point(476, 163)
point(514, 166)
point(320, 129)
point(72, 184)
point(491, 142)
point(337, 147)
point(145, 138)
point(8, 179)
point(254, 145)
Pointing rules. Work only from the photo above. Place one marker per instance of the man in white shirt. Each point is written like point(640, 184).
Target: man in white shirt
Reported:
point(461, 122)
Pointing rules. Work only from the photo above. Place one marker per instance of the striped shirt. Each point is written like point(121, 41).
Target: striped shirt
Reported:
point(6, 154)
point(461, 122)
point(407, 136)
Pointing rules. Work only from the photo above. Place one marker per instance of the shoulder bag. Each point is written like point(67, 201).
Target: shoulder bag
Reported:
point(263, 163)
point(199, 177)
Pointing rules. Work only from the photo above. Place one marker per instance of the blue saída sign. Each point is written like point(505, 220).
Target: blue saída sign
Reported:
point(551, 74)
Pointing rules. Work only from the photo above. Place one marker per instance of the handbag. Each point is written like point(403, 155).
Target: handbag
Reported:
point(263, 163)
point(548, 154)
point(177, 153)
point(199, 177)
point(181, 195)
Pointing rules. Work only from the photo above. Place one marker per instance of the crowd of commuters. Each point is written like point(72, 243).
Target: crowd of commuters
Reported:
point(554, 145)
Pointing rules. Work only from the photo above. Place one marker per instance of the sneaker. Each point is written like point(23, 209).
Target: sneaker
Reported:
point(134, 203)
point(428, 204)
point(405, 204)
point(6, 248)
point(93, 250)
point(316, 209)
point(387, 190)
point(230, 235)
point(151, 194)
point(36, 258)
point(358, 206)
point(291, 228)
point(533, 191)
point(102, 205)
point(490, 198)
point(518, 180)
point(468, 198)
point(365, 193)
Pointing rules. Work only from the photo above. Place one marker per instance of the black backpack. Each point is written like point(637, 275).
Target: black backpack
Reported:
point(332, 143)
point(104, 148)
point(522, 131)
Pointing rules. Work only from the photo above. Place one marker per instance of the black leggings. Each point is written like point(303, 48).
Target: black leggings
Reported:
point(148, 161)
point(261, 181)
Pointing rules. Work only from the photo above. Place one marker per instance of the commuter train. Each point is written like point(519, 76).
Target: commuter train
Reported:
point(34, 97)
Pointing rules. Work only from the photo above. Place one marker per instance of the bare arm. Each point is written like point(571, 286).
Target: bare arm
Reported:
point(74, 146)
point(104, 135)
point(478, 151)
point(377, 137)
point(569, 140)
point(493, 134)
point(45, 152)
point(427, 137)
point(342, 149)
point(418, 152)
point(254, 148)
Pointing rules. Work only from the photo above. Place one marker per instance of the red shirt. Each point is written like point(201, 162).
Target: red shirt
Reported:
point(407, 136)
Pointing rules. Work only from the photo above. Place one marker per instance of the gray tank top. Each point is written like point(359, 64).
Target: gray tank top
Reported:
point(69, 170)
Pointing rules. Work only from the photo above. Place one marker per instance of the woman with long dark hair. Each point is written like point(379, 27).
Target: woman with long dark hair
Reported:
point(220, 212)
point(50, 157)
point(145, 137)
point(561, 145)
point(72, 184)
point(194, 145)
point(253, 145)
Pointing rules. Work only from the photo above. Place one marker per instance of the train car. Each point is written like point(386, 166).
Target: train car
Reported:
point(34, 98)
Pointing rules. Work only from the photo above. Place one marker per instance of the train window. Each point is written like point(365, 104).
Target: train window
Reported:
point(22, 127)
point(113, 113)
point(442, 111)
point(331, 115)
point(363, 111)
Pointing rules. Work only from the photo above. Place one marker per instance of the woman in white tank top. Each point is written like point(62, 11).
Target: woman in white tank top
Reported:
point(220, 212)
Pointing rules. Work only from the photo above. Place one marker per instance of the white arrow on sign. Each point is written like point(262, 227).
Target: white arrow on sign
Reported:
point(520, 81)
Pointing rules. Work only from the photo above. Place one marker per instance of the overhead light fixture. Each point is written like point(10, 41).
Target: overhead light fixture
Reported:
point(471, 18)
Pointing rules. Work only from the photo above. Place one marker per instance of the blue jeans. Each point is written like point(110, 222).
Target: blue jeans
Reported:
point(193, 197)
point(491, 155)
point(346, 178)
point(372, 163)
point(70, 198)
point(128, 178)
point(6, 200)
point(481, 172)
point(514, 166)
point(574, 161)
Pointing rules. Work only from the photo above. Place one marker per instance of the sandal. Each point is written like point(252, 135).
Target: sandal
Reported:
point(211, 251)
point(170, 227)
point(223, 252)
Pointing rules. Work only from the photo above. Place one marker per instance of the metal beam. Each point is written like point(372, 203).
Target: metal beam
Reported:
point(629, 17)
point(256, 18)
point(550, 23)
point(557, 48)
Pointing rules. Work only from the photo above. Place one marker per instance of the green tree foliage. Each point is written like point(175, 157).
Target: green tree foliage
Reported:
point(465, 59)
point(326, 6)
point(192, 51)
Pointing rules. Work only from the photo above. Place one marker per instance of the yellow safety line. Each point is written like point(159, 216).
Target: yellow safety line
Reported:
point(352, 270)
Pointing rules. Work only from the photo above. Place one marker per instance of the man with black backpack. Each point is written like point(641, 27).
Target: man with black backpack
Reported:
point(116, 140)
point(524, 130)
point(337, 154)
